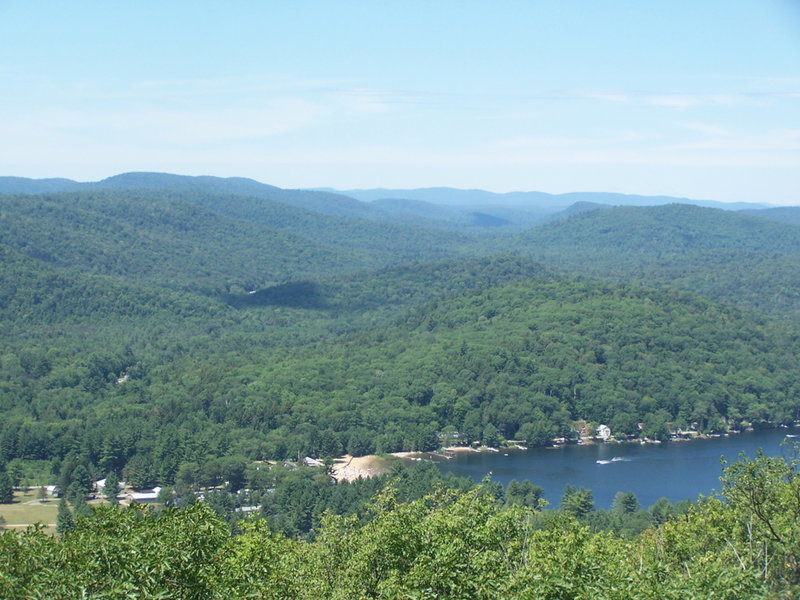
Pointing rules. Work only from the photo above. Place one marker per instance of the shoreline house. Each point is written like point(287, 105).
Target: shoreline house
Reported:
point(604, 432)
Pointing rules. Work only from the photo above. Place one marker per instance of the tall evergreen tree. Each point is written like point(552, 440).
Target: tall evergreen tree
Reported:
point(6, 489)
point(577, 501)
point(82, 479)
point(80, 508)
point(64, 519)
point(625, 502)
point(111, 488)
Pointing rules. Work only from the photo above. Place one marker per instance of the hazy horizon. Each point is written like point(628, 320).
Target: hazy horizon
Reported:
point(678, 99)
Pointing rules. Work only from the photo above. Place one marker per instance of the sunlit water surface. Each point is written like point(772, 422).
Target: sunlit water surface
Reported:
point(674, 470)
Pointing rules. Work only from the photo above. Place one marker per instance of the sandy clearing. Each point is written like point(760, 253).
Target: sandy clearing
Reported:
point(350, 468)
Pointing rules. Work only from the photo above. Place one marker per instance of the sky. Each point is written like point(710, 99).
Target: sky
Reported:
point(697, 99)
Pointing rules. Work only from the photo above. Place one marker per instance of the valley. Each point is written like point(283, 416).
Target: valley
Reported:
point(209, 337)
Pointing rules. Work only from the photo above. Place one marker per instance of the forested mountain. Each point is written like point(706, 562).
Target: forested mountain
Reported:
point(396, 242)
point(23, 185)
point(633, 233)
point(70, 336)
point(782, 214)
point(728, 256)
point(180, 331)
point(324, 202)
point(436, 208)
point(164, 241)
point(525, 360)
point(541, 201)
point(522, 361)
point(425, 214)
point(148, 330)
point(35, 294)
point(175, 240)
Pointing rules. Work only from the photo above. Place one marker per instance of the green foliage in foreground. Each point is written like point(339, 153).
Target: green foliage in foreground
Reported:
point(447, 545)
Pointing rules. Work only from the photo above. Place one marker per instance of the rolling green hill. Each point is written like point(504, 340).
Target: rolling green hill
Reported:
point(728, 256)
point(203, 243)
point(146, 329)
point(528, 359)
point(632, 233)
point(522, 360)
point(782, 214)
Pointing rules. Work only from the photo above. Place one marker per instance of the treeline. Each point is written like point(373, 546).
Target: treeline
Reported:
point(445, 545)
point(295, 499)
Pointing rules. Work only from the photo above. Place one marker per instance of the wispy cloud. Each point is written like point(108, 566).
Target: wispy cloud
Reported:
point(681, 100)
point(705, 128)
point(361, 100)
point(778, 144)
point(167, 126)
point(675, 100)
point(606, 95)
point(555, 142)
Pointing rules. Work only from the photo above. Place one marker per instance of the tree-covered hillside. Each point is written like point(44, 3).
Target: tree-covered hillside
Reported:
point(159, 240)
point(146, 330)
point(782, 214)
point(167, 240)
point(731, 257)
point(633, 233)
point(523, 360)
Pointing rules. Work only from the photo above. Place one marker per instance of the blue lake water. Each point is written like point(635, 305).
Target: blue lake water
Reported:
point(674, 470)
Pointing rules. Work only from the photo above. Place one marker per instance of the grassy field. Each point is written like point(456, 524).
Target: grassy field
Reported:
point(27, 510)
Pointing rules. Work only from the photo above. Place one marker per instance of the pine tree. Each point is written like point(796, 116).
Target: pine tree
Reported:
point(64, 520)
point(74, 492)
point(6, 489)
point(81, 479)
point(80, 508)
point(578, 502)
point(625, 502)
point(111, 488)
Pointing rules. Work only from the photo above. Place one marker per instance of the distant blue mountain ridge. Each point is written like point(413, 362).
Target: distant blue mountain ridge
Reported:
point(438, 207)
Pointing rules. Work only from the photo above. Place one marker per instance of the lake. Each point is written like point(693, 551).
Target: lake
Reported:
point(674, 470)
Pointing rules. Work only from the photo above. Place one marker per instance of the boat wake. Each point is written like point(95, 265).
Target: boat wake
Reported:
point(613, 460)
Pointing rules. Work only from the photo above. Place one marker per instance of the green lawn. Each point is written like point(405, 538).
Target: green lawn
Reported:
point(27, 510)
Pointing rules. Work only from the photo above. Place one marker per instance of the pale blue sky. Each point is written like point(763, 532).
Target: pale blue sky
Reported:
point(695, 98)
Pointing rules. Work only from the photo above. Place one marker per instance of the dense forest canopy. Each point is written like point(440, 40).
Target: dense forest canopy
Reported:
point(732, 257)
point(229, 313)
point(181, 332)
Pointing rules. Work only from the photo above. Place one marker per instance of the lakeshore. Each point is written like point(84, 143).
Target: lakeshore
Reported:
point(677, 471)
point(350, 468)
